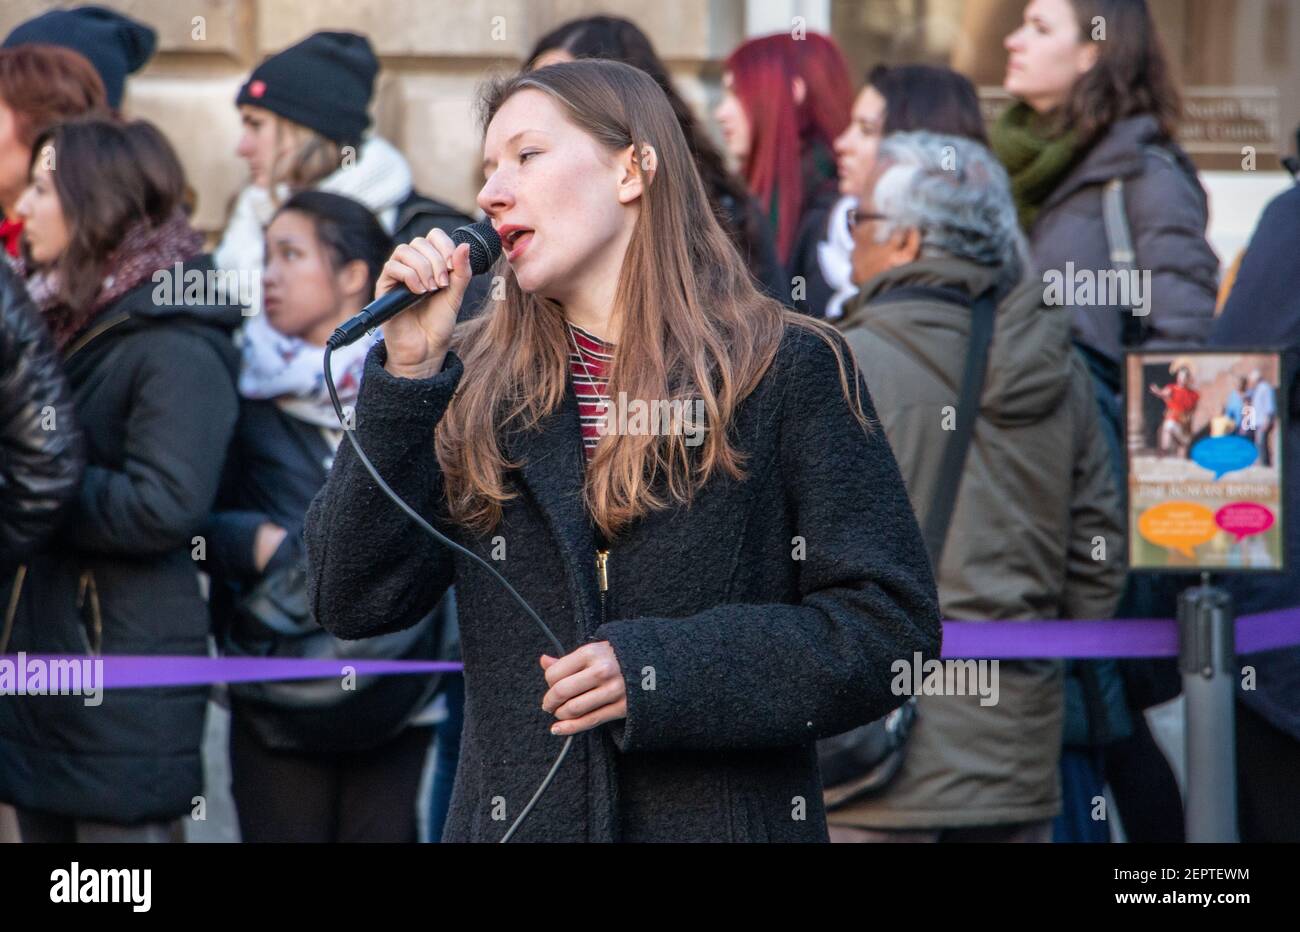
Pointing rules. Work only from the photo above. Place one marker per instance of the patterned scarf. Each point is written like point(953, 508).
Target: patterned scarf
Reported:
point(1036, 162)
point(143, 250)
point(291, 372)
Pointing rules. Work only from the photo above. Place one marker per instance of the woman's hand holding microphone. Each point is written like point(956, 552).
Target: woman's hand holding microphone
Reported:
point(418, 338)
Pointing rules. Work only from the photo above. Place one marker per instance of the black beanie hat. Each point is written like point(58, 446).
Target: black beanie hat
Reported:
point(324, 82)
point(115, 44)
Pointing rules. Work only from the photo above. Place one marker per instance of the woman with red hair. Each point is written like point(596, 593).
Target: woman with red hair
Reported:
point(785, 100)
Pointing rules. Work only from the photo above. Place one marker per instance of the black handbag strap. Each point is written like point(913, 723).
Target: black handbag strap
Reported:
point(937, 520)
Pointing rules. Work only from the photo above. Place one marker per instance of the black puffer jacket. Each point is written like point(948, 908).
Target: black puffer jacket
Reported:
point(153, 386)
point(768, 613)
point(276, 465)
point(41, 459)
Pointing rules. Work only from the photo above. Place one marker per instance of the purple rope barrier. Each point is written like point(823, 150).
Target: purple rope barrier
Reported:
point(1004, 640)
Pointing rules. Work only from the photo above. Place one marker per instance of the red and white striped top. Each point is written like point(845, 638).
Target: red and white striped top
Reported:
point(589, 365)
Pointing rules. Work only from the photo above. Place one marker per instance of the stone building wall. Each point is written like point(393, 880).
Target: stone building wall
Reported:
point(433, 53)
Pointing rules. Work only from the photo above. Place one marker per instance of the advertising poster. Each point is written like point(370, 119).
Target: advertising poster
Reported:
point(1204, 438)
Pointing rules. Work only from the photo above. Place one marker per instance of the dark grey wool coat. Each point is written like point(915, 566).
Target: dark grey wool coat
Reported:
point(752, 653)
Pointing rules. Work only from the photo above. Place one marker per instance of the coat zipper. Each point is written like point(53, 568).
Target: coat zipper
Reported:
point(602, 581)
point(11, 611)
point(86, 586)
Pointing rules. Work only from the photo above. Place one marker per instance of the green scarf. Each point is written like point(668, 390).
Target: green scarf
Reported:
point(1036, 162)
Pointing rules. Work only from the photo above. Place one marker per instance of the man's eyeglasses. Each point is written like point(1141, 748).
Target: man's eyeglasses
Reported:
point(857, 215)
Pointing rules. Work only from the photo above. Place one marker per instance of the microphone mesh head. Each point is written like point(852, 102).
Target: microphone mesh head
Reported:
point(484, 244)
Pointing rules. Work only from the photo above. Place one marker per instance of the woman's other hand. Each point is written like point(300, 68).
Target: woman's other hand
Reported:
point(587, 688)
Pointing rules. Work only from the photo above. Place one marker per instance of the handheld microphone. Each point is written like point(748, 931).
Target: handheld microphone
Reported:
point(484, 248)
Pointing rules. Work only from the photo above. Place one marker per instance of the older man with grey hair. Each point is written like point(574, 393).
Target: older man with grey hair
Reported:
point(1025, 524)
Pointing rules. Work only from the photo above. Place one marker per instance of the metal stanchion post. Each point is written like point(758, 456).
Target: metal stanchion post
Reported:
point(1207, 659)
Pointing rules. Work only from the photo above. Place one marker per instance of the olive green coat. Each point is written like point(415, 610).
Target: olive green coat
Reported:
point(1037, 493)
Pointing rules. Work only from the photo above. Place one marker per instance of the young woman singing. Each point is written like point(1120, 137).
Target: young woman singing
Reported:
point(722, 604)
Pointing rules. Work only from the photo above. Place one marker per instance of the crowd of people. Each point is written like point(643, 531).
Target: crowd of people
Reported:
point(172, 507)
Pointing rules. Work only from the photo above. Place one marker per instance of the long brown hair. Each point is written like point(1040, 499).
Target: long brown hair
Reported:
point(110, 176)
point(1131, 76)
point(693, 326)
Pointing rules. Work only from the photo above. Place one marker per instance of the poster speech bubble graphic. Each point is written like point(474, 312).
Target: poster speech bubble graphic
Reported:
point(1178, 525)
point(1241, 519)
point(1221, 455)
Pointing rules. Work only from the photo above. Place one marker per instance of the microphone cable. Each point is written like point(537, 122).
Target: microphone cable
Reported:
point(448, 542)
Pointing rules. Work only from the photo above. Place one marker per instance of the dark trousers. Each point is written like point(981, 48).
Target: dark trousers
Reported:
point(364, 796)
point(1268, 764)
point(48, 828)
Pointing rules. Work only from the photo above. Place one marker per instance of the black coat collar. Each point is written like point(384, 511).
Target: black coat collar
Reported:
point(553, 471)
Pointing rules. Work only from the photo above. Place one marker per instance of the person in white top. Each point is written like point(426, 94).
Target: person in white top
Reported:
point(305, 119)
point(900, 99)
